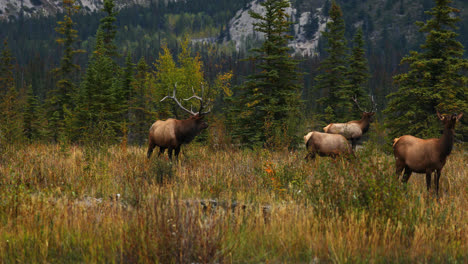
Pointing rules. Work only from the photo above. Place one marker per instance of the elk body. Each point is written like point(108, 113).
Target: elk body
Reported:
point(353, 130)
point(413, 154)
point(326, 144)
point(172, 133)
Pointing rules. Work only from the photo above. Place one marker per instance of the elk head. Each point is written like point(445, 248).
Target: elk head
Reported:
point(449, 121)
point(366, 115)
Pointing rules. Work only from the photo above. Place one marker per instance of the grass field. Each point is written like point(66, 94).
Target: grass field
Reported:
point(61, 204)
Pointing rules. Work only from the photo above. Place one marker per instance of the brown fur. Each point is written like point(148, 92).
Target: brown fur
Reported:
point(413, 154)
point(172, 133)
point(326, 144)
point(352, 130)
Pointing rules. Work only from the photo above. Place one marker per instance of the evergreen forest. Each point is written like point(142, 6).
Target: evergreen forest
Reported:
point(86, 96)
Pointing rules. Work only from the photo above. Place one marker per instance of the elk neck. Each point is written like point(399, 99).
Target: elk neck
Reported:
point(187, 130)
point(446, 141)
point(364, 124)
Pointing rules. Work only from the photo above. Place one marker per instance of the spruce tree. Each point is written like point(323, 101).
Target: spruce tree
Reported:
point(357, 75)
point(98, 114)
point(109, 28)
point(142, 106)
point(10, 101)
point(102, 96)
point(61, 98)
point(6, 69)
point(31, 120)
point(436, 79)
point(269, 101)
point(331, 82)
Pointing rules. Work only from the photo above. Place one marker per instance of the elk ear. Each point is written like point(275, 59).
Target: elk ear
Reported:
point(372, 113)
point(459, 116)
point(441, 117)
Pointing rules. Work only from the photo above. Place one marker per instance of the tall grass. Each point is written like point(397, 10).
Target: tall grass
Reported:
point(85, 204)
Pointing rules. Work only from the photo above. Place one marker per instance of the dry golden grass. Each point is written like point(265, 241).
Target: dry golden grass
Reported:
point(84, 204)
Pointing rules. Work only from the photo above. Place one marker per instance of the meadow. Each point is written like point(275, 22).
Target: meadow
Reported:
point(94, 204)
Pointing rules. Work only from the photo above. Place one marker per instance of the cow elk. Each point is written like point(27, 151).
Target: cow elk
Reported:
point(172, 133)
point(353, 130)
point(413, 154)
point(326, 144)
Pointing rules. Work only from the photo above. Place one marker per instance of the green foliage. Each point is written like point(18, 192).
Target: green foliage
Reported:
point(269, 100)
point(32, 126)
point(358, 74)
point(61, 98)
point(108, 27)
point(186, 73)
point(10, 101)
point(141, 105)
point(436, 79)
point(332, 78)
point(98, 111)
point(6, 69)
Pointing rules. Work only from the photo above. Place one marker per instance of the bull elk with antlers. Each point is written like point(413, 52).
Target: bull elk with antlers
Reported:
point(353, 130)
point(172, 133)
point(413, 154)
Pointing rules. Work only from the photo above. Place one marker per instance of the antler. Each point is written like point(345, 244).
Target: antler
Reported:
point(357, 104)
point(173, 97)
point(374, 105)
point(200, 99)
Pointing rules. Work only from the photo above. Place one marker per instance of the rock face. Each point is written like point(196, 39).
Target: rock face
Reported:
point(10, 9)
point(241, 28)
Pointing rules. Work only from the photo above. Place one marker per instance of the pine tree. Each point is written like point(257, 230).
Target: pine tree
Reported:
point(61, 98)
point(6, 69)
point(108, 28)
point(103, 99)
point(436, 79)
point(98, 114)
point(332, 79)
point(10, 101)
point(142, 107)
point(31, 121)
point(269, 100)
point(358, 74)
point(127, 80)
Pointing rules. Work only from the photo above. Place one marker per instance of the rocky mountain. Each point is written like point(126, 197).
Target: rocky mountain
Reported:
point(241, 27)
point(12, 9)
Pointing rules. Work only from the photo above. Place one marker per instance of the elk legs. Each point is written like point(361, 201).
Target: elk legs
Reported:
point(406, 175)
point(437, 178)
point(428, 179)
point(151, 147)
point(177, 151)
point(161, 151)
point(353, 143)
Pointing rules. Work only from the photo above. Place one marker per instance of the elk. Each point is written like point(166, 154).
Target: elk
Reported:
point(326, 144)
point(418, 155)
point(353, 130)
point(172, 133)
